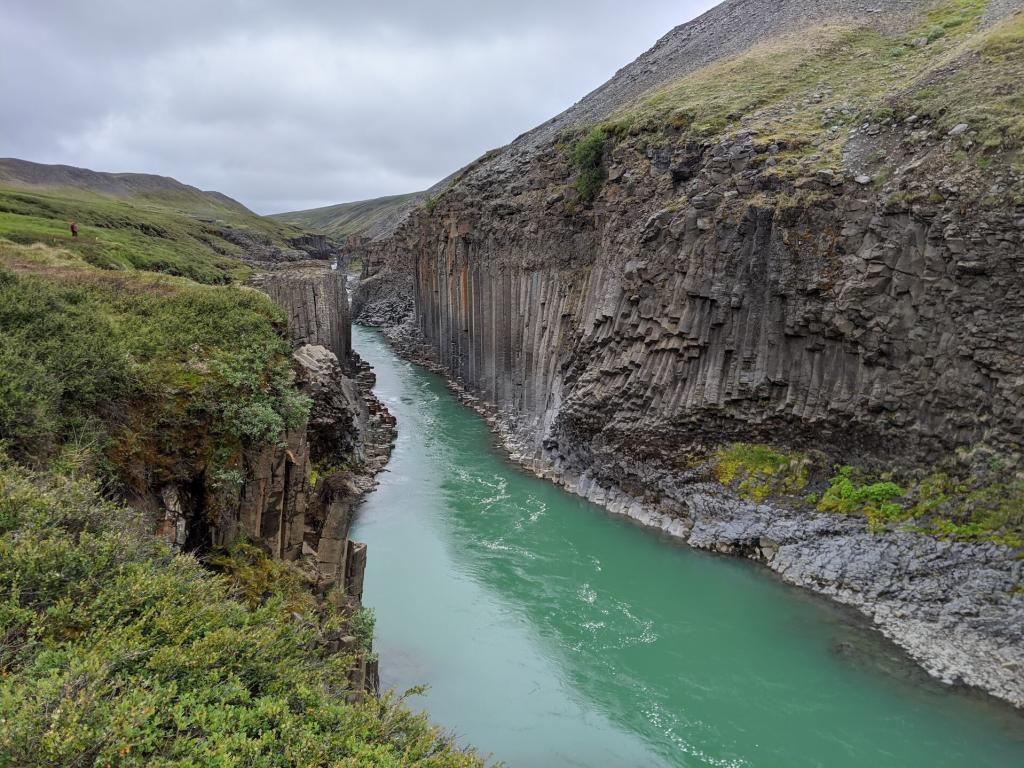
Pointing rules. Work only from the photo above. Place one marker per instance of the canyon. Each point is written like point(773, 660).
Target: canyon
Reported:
point(743, 331)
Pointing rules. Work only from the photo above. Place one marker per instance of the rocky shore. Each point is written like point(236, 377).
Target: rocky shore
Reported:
point(954, 607)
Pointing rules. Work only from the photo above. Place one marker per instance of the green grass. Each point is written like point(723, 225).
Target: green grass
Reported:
point(976, 508)
point(758, 471)
point(136, 373)
point(850, 494)
point(985, 90)
point(114, 652)
point(961, 502)
point(783, 88)
point(142, 234)
point(347, 218)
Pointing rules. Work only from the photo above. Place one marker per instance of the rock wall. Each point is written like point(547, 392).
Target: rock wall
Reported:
point(315, 246)
point(884, 330)
point(296, 497)
point(315, 300)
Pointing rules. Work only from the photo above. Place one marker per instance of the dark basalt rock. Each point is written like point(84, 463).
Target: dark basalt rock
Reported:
point(702, 298)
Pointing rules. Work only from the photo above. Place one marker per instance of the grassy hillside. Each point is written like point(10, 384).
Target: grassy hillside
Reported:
point(160, 226)
point(806, 92)
point(359, 218)
point(143, 187)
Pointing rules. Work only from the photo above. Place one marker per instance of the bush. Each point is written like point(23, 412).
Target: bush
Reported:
point(113, 651)
point(145, 371)
point(587, 156)
point(848, 495)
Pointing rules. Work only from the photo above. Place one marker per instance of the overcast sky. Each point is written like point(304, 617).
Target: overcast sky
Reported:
point(289, 105)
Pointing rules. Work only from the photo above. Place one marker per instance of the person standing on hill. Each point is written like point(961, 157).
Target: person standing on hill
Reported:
point(74, 229)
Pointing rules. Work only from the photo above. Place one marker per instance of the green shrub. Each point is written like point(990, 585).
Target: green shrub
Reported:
point(587, 156)
point(138, 370)
point(850, 495)
point(361, 624)
point(113, 651)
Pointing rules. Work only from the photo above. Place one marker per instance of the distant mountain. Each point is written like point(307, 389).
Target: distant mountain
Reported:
point(134, 186)
point(364, 217)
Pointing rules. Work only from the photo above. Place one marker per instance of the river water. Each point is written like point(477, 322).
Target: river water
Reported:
point(551, 633)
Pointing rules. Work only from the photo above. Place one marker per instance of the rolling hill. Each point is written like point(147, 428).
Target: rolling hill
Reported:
point(138, 221)
point(364, 217)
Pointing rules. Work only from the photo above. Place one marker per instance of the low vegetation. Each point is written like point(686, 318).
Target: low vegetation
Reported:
point(803, 93)
point(978, 497)
point(356, 218)
point(759, 471)
point(115, 380)
point(587, 156)
point(983, 90)
point(850, 494)
point(116, 234)
point(123, 373)
point(114, 652)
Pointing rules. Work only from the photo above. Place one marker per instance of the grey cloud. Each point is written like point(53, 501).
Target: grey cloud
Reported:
point(292, 105)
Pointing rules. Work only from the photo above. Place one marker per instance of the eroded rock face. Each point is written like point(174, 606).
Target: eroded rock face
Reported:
point(266, 499)
point(295, 496)
point(315, 246)
point(315, 301)
point(349, 434)
point(887, 332)
point(339, 419)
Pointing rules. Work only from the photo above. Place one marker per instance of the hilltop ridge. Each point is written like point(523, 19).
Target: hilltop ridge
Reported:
point(142, 186)
point(365, 218)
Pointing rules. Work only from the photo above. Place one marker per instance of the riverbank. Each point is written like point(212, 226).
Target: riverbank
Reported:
point(612, 644)
point(955, 607)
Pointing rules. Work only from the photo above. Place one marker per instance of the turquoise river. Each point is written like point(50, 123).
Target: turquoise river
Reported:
point(552, 633)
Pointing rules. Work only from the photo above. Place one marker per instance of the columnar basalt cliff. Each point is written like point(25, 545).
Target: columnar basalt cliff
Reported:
point(315, 300)
point(349, 434)
point(828, 269)
point(296, 497)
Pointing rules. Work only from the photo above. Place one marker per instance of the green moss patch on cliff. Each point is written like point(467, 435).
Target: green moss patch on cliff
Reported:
point(137, 376)
point(113, 651)
point(977, 496)
point(758, 471)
